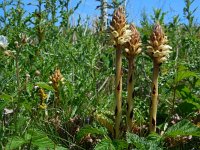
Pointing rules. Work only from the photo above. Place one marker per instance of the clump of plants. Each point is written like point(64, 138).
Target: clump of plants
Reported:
point(64, 86)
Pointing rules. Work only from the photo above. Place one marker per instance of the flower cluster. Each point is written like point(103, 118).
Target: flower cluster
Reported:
point(120, 32)
point(158, 48)
point(43, 97)
point(56, 78)
point(133, 46)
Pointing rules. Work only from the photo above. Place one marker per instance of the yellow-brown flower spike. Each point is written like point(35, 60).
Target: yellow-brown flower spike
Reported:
point(159, 51)
point(55, 79)
point(158, 48)
point(132, 48)
point(120, 35)
point(43, 97)
point(119, 30)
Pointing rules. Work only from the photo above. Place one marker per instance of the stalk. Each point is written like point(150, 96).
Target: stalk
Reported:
point(129, 113)
point(159, 51)
point(118, 91)
point(154, 97)
point(120, 35)
point(132, 48)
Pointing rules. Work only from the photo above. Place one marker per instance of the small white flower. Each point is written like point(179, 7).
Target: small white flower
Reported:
point(164, 47)
point(3, 41)
point(115, 34)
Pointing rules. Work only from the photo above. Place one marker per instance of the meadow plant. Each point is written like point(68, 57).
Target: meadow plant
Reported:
point(56, 78)
point(159, 51)
point(120, 34)
point(132, 49)
point(79, 113)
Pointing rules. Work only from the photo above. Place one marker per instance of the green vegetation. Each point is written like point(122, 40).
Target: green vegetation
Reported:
point(58, 81)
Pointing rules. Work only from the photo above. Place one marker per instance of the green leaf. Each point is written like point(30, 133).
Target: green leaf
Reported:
point(45, 86)
point(14, 143)
point(61, 148)
point(183, 74)
point(120, 144)
point(88, 129)
point(141, 143)
point(40, 139)
point(105, 144)
point(3, 105)
point(138, 142)
point(6, 97)
point(183, 128)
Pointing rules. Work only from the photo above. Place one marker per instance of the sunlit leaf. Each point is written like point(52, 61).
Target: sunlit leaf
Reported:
point(14, 143)
point(183, 128)
point(105, 144)
point(44, 86)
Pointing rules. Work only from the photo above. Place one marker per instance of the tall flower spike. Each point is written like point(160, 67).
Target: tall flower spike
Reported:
point(132, 48)
point(158, 48)
point(119, 30)
point(159, 51)
point(120, 35)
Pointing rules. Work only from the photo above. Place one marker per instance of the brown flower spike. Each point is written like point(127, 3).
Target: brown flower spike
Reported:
point(159, 51)
point(119, 30)
point(55, 79)
point(120, 35)
point(132, 48)
point(158, 48)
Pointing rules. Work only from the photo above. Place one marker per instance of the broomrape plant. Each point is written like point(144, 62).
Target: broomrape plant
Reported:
point(56, 78)
point(159, 51)
point(120, 34)
point(132, 48)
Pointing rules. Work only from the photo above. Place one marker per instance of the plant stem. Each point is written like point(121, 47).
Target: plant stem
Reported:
point(175, 83)
point(118, 91)
point(154, 97)
point(129, 112)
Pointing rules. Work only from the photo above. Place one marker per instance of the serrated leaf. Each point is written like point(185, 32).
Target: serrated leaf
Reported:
point(141, 143)
point(14, 143)
point(45, 86)
point(134, 139)
point(120, 144)
point(88, 129)
point(183, 128)
point(41, 140)
point(105, 144)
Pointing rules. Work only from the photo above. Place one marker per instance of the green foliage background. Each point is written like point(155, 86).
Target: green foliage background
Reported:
point(86, 60)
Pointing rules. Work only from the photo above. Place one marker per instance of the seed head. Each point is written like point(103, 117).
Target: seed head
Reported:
point(119, 30)
point(132, 47)
point(158, 48)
